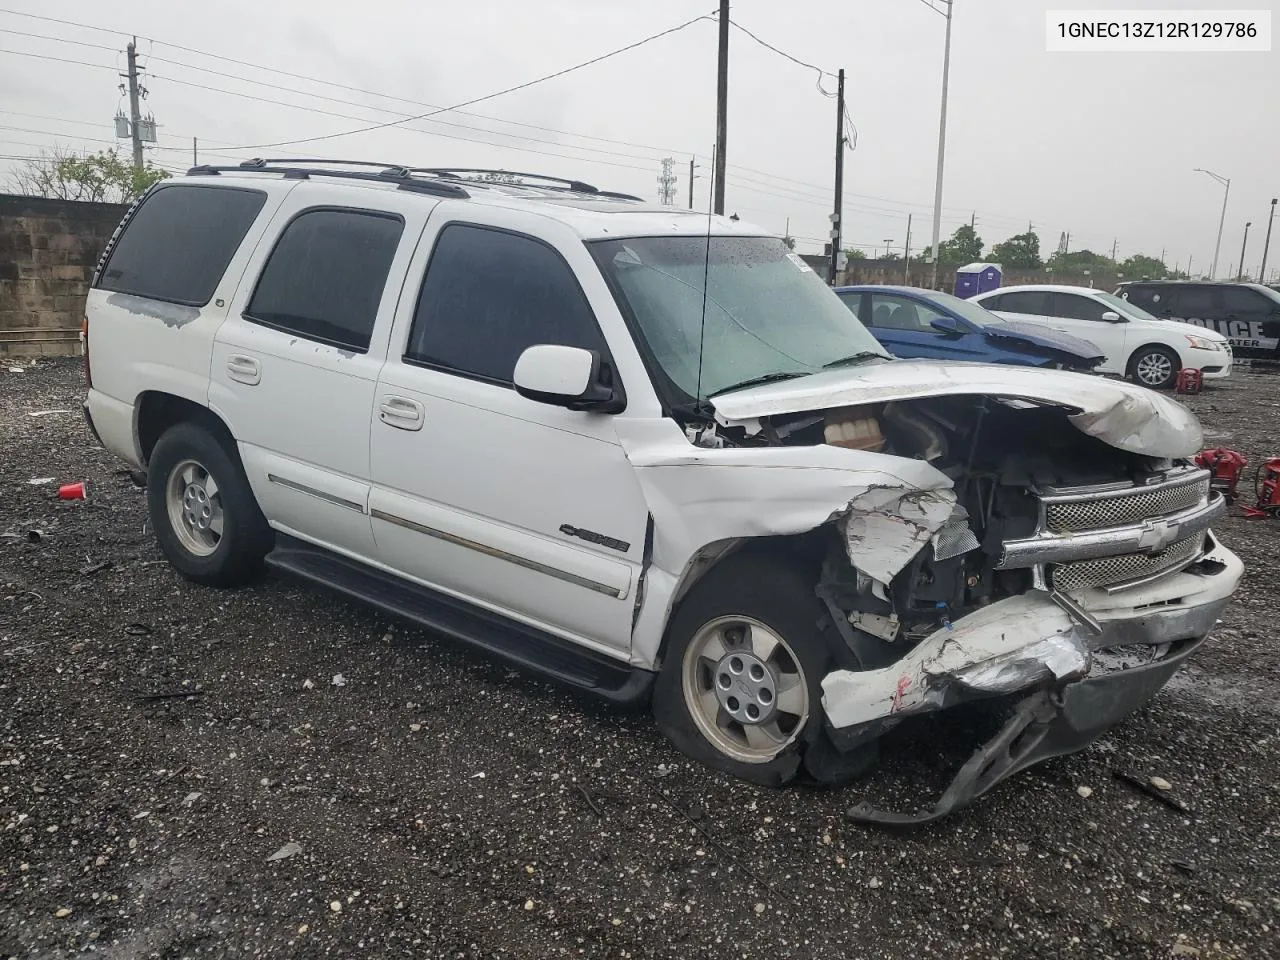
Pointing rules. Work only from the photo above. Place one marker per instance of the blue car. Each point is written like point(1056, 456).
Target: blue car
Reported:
point(917, 324)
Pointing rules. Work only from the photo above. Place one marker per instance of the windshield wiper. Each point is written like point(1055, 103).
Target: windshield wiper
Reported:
point(853, 358)
point(756, 381)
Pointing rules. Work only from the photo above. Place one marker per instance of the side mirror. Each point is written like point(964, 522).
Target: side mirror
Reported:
point(1112, 317)
point(948, 325)
point(566, 377)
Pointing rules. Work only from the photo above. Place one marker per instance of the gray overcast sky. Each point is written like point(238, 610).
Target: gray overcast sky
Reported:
point(1101, 145)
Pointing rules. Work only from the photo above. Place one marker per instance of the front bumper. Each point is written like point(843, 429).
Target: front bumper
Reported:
point(1074, 675)
point(1214, 364)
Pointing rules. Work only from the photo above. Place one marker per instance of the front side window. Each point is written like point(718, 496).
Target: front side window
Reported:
point(720, 312)
point(325, 277)
point(179, 243)
point(488, 296)
point(1075, 307)
point(902, 313)
point(1123, 307)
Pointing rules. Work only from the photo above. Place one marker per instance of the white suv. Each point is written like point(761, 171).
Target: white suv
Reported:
point(648, 454)
point(1137, 344)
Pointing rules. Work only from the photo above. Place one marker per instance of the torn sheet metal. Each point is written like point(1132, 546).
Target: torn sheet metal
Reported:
point(1003, 647)
point(886, 528)
point(1126, 416)
point(701, 497)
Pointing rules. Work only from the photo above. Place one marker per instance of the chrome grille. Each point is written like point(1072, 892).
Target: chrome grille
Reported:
point(1110, 571)
point(1131, 507)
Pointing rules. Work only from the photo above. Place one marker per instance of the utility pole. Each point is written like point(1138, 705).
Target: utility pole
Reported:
point(1242, 275)
point(888, 246)
point(906, 272)
point(1114, 245)
point(722, 107)
point(1189, 256)
point(1226, 183)
point(837, 213)
point(942, 145)
point(195, 153)
point(1266, 246)
point(135, 111)
point(973, 219)
point(691, 168)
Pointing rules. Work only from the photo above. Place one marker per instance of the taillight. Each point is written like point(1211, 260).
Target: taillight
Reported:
point(84, 349)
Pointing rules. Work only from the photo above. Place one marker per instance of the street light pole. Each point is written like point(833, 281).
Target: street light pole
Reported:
point(1226, 182)
point(942, 144)
point(1266, 246)
point(1242, 275)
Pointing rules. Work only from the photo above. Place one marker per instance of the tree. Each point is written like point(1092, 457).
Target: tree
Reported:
point(1021, 251)
point(1078, 261)
point(965, 246)
point(101, 177)
point(1138, 266)
point(854, 254)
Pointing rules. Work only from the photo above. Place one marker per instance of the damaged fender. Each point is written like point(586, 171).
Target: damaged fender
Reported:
point(700, 497)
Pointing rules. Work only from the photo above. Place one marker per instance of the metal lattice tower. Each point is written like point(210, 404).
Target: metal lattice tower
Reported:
point(667, 182)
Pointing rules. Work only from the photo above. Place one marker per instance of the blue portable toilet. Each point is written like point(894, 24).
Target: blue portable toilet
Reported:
point(977, 278)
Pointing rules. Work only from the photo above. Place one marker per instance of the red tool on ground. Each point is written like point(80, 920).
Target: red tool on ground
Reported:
point(1226, 466)
point(1189, 380)
point(1266, 484)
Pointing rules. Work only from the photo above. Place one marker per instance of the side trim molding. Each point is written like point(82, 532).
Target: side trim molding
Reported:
point(318, 494)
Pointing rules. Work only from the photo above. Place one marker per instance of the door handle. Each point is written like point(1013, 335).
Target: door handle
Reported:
point(244, 369)
point(402, 413)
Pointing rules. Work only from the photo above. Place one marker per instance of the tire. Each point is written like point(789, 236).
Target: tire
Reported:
point(745, 604)
point(205, 516)
point(1155, 367)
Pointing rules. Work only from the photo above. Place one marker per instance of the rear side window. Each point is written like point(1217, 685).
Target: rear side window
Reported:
point(179, 242)
point(1034, 302)
point(1195, 301)
point(488, 296)
point(991, 303)
point(1146, 298)
point(325, 277)
point(1242, 300)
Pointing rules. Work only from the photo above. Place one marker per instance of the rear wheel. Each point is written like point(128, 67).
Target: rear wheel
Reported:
point(1155, 367)
point(740, 688)
point(204, 513)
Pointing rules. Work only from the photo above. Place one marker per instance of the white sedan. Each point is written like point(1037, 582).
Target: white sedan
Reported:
point(1137, 345)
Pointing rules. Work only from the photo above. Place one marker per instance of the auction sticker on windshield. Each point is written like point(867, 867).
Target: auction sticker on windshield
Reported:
point(1158, 31)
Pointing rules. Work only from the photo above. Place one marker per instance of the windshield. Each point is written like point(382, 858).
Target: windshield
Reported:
point(1126, 308)
point(767, 313)
point(975, 313)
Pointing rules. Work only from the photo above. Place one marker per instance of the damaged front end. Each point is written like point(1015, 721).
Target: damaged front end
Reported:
point(1057, 558)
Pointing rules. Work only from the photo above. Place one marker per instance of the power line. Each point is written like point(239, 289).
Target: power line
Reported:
point(45, 56)
point(78, 43)
point(782, 53)
point(488, 96)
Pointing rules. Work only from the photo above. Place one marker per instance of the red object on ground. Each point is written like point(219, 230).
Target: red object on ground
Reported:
point(74, 491)
point(1189, 380)
point(1267, 484)
point(1225, 466)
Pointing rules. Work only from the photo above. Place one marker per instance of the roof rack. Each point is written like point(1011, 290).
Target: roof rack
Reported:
point(494, 177)
point(304, 169)
point(442, 181)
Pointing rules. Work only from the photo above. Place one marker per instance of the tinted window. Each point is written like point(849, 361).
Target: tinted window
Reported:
point(1148, 298)
point(992, 303)
point(489, 295)
point(853, 301)
point(1035, 302)
point(1239, 300)
point(1076, 307)
point(179, 243)
point(1194, 301)
point(325, 277)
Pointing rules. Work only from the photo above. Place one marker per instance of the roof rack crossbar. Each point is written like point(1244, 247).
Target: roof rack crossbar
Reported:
point(398, 175)
point(491, 176)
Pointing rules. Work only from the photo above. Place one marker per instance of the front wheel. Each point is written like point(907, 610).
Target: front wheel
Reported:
point(1155, 367)
point(204, 513)
point(740, 687)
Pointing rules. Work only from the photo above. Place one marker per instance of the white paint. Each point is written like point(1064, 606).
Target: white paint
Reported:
point(554, 369)
point(1121, 414)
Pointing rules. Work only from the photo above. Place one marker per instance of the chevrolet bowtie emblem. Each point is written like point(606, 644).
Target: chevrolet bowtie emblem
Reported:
point(1156, 535)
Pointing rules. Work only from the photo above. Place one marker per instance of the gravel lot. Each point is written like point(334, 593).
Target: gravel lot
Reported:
point(440, 805)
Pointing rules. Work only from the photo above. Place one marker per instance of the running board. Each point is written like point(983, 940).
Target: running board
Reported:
point(524, 646)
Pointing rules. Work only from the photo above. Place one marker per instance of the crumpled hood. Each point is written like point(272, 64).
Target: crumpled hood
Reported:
point(1037, 334)
point(1126, 416)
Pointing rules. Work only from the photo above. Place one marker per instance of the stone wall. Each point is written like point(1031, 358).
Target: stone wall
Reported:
point(48, 251)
